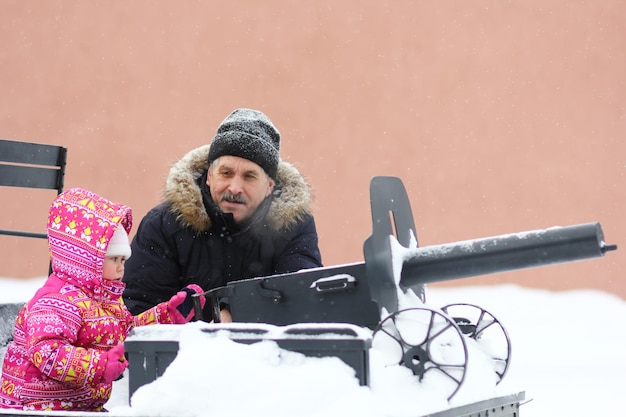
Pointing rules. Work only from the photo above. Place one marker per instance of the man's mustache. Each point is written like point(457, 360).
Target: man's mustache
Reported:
point(233, 198)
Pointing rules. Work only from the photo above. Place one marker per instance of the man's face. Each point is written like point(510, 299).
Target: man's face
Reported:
point(238, 186)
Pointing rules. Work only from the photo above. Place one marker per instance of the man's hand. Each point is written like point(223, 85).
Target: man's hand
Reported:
point(225, 316)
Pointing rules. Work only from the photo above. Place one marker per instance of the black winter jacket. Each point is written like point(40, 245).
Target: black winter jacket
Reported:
point(188, 239)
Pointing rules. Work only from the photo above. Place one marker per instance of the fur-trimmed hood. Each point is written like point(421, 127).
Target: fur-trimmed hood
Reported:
point(288, 207)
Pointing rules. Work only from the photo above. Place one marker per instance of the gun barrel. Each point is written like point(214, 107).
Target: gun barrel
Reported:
point(502, 253)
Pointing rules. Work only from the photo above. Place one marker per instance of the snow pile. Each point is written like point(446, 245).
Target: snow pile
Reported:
point(567, 356)
point(212, 374)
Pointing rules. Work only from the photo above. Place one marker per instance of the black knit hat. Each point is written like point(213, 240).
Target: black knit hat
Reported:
point(248, 134)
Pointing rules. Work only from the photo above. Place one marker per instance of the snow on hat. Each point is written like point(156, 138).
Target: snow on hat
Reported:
point(248, 134)
point(118, 245)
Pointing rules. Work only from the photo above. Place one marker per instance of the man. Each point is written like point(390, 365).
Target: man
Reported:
point(233, 210)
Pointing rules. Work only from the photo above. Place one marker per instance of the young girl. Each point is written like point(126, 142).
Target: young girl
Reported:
point(68, 345)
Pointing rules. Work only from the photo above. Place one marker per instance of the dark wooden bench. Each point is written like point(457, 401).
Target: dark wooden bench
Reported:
point(31, 165)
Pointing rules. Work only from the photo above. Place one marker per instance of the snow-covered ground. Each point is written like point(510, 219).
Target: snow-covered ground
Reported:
point(568, 355)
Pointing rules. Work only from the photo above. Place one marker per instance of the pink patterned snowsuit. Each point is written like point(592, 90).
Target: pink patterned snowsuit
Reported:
point(57, 358)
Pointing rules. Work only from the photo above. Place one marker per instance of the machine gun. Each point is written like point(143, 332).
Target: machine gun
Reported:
point(430, 264)
point(368, 293)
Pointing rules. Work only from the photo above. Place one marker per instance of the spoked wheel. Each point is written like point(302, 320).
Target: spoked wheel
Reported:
point(425, 341)
point(480, 325)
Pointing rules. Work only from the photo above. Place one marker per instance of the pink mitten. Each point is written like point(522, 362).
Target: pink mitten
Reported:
point(180, 305)
point(116, 363)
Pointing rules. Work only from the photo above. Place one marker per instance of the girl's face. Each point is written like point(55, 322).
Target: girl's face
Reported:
point(113, 268)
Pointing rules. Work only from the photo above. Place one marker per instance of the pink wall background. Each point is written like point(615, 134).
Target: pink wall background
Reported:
point(499, 117)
